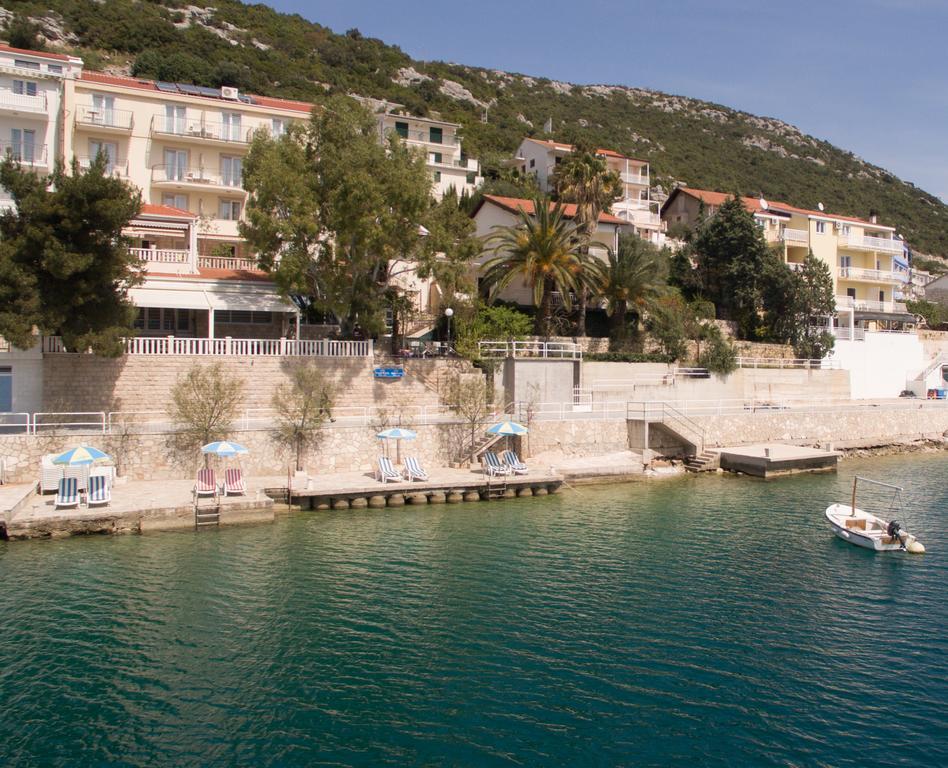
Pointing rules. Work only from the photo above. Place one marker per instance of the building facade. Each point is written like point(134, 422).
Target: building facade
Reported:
point(539, 158)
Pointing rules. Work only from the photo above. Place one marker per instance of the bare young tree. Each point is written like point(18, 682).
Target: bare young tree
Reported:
point(204, 404)
point(303, 405)
point(470, 402)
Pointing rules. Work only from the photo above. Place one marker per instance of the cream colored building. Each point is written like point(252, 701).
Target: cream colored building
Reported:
point(539, 158)
point(440, 143)
point(865, 258)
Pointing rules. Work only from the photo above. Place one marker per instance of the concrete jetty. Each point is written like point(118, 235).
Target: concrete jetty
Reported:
point(775, 459)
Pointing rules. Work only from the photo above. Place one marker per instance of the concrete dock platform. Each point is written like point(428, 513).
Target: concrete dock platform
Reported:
point(775, 459)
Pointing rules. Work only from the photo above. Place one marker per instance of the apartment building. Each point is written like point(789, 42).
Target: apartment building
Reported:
point(441, 144)
point(866, 259)
point(539, 158)
point(494, 211)
point(31, 86)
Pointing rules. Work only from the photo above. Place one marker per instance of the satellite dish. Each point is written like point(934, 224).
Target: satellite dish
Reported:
point(764, 204)
point(820, 206)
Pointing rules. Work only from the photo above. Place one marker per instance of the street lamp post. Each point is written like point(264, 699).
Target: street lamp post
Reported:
point(449, 313)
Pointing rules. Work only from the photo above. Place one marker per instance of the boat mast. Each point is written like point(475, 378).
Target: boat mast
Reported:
point(852, 508)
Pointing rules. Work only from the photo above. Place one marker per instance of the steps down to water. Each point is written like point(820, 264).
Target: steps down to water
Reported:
point(706, 461)
point(206, 516)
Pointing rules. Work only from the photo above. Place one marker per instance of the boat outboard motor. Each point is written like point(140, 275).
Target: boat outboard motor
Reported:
point(893, 529)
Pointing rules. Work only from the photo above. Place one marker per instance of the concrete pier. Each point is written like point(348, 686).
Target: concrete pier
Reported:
point(775, 459)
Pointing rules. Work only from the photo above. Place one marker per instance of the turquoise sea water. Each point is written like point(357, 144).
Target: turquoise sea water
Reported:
point(709, 621)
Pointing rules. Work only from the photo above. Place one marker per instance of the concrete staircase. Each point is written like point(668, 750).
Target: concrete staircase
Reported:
point(684, 429)
point(706, 461)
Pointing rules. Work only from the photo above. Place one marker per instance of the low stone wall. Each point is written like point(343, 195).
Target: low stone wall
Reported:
point(577, 438)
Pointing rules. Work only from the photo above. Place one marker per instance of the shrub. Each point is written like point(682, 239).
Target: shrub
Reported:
point(626, 357)
point(204, 404)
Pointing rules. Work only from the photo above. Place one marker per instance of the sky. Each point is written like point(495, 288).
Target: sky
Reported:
point(870, 76)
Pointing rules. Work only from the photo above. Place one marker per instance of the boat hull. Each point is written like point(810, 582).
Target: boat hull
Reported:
point(837, 516)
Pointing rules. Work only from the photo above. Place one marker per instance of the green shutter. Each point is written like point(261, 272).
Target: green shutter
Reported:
point(401, 129)
point(435, 135)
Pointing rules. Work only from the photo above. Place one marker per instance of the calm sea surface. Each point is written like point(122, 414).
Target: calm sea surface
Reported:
point(709, 621)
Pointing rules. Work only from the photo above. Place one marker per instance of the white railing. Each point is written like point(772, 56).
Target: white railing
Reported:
point(172, 345)
point(103, 117)
point(162, 255)
point(633, 178)
point(796, 363)
point(25, 153)
point(521, 349)
point(201, 128)
point(117, 168)
point(195, 175)
point(795, 235)
point(886, 244)
point(227, 262)
point(22, 102)
point(795, 266)
point(880, 275)
point(636, 215)
point(842, 332)
point(848, 302)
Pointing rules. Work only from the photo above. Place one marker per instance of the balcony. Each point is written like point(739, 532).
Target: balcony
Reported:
point(795, 236)
point(424, 137)
point(634, 178)
point(104, 119)
point(869, 275)
point(161, 255)
point(883, 244)
point(637, 212)
point(20, 102)
point(866, 305)
point(201, 130)
point(795, 266)
point(179, 177)
point(118, 168)
point(228, 262)
point(28, 155)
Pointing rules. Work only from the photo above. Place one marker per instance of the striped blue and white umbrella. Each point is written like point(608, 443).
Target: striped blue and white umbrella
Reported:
point(396, 433)
point(81, 456)
point(224, 448)
point(507, 428)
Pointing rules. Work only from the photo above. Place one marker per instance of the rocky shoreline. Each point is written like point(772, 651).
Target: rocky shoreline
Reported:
point(892, 449)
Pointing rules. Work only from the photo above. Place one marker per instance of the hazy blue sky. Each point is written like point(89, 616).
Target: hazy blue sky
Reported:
point(871, 76)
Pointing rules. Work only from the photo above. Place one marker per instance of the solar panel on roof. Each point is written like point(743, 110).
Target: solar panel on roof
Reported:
point(205, 91)
point(167, 87)
point(246, 99)
point(191, 90)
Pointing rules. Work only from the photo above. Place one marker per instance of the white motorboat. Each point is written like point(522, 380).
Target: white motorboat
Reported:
point(867, 530)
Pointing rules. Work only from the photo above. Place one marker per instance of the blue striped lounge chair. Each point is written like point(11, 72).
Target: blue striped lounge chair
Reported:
point(99, 490)
point(386, 471)
point(413, 470)
point(513, 461)
point(492, 465)
point(68, 493)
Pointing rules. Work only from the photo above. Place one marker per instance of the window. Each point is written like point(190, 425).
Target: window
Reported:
point(229, 210)
point(232, 169)
point(436, 157)
point(175, 118)
point(277, 126)
point(845, 261)
point(103, 109)
point(153, 319)
point(881, 295)
point(6, 388)
point(533, 162)
point(821, 227)
point(437, 175)
point(24, 64)
point(401, 129)
point(176, 164)
point(230, 126)
point(230, 316)
point(23, 144)
point(845, 230)
point(472, 178)
point(435, 135)
point(851, 293)
point(56, 69)
point(175, 201)
point(24, 87)
point(107, 148)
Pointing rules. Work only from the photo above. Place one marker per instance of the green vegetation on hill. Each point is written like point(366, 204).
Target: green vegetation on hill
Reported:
point(697, 142)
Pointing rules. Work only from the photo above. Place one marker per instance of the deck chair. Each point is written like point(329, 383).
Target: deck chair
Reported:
point(234, 484)
point(513, 461)
point(492, 465)
point(206, 483)
point(100, 492)
point(386, 471)
point(413, 470)
point(68, 493)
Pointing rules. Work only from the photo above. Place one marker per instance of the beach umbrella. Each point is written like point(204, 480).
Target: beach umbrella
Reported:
point(82, 456)
point(507, 428)
point(224, 448)
point(397, 434)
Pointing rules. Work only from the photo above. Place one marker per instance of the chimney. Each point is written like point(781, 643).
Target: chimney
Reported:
point(873, 219)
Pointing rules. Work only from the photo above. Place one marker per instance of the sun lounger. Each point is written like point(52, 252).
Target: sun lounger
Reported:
point(100, 491)
point(413, 470)
point(513, 461)
point(206, 483)
point(492, 465)
point(234, 482)
point(68, 493)
point(386, 471)
point(50, 474)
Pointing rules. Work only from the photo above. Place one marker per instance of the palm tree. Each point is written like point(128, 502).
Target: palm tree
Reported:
point(583, 178)
point(636, 275)
point(543, 248)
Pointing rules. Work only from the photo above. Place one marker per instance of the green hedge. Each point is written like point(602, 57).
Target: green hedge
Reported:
point(626, 357)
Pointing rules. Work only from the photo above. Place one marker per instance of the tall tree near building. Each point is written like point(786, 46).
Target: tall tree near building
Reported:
point(65, 267)
point(331, 208)
point(797, 305)
point(730, 254)
point(543, 249)
point(636, 274)
point(583, 178)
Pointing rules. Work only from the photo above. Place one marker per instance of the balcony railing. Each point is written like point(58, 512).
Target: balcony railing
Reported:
point(103, 117)
point(640, 216)
point(171, 345)
point(800, 236)
point(424, 137)
point(634, 178)
point(177, 174)
point(848, 302)
point(162, 255)
point(795, 266)
point(201, 128)
point(21, 102)
point(885, 244)
point(32, 155)
point(228, 262)
point(874, 275)
point(118, 168)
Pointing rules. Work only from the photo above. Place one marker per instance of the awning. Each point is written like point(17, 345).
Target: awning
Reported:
point(895, 317)
point(256, 302)
point(178, 296)
point(170, 298)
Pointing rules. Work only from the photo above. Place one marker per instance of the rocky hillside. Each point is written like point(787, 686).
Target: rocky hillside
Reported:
point(687, 140)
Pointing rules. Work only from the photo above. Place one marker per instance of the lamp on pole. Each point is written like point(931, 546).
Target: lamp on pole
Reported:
point(449, 313)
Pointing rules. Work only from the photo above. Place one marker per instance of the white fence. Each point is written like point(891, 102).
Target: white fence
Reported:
point(173, 345)
point(795, 363)
point(557, 350)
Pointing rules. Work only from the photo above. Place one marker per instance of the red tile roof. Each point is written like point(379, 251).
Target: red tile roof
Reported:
point(516, 204)
point(150, 209)
point(571, 147)
point(149, 85)
point(40, 54)
point(753, 205)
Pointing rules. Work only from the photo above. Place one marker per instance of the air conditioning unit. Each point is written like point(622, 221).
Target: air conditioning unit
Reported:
point(229, 92)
